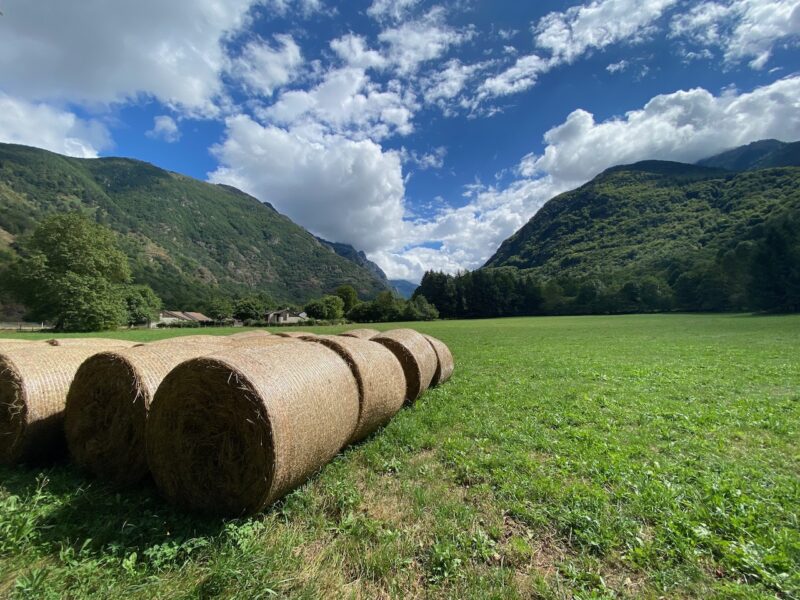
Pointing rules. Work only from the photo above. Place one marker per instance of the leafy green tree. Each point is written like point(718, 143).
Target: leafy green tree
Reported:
point(348, 295)
point(89, 304)
point(329, 308)
point(363, 312)
point(249, 308)
point(142, 304)
point(73, 273)
point(440, 289)
point(776, 266)
point(419, 309)
point(220, 308)
point(388, 307)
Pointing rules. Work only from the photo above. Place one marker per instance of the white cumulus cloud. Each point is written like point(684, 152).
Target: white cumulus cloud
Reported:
point(304, 7)
point(107, 51)
point(569, 34)
point(383, 10)
point(340, 189)
point(522, 75)
point(563, 37)
point(416, 42)
point(683, 126)
point(347, 102)
point(263, 67)
point(37, 124)
point(743, 29)
point(353, 50)
point(164, 128)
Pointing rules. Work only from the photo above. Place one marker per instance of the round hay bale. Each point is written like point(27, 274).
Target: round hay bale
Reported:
point(193, 339)
point(444, 360)
point(249, 334)
point(379, 376)
point(107, 404)
point(261, 342)
point(34, 382)
point(364, 334)
point(91, 342)
point(233, 432)
point(416, 356)
point(296, 334)
point(17, 343)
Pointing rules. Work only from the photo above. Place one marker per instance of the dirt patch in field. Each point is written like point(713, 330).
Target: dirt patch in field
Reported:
point(387, 506)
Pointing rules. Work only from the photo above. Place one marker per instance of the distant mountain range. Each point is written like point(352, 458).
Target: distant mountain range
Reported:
point(635, 219)
point(765, 154)
point(699, 237)
point(403, 288)
point(188, 239)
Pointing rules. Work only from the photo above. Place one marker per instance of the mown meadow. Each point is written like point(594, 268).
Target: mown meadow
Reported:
point(637, 456)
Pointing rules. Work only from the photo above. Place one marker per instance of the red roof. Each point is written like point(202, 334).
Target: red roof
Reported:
point(186, 316)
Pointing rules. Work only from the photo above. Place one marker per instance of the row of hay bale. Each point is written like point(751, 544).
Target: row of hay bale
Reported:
point(225, 424)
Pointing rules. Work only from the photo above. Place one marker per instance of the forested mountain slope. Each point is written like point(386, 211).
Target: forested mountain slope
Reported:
point(648, 217)
point(187, 239)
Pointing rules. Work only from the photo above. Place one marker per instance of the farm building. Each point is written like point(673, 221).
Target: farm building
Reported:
point(170, 317)
point(286, 317)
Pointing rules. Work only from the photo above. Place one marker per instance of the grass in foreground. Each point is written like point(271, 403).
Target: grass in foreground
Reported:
point(586, 457)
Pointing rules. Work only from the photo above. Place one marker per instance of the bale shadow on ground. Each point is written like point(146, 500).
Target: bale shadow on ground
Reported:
point(58, 509)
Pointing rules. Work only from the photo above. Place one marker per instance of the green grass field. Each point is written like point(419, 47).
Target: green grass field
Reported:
point(586, 457)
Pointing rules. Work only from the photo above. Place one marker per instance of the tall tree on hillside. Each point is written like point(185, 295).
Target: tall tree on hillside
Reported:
point(348, 295)
point(142, 304)
point(73, 273)
point(328, 307)
point(776, 266)
point(250, 308)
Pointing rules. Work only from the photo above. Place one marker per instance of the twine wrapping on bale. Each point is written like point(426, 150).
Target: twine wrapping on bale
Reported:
point(91, 342)
point(33, 389)
point(444, 360)
point(379, 376)
point(364, 334)
point(296, 334)
point(107, 404)
point(261, 342)
point(416, 356)
point(232, 432)
point(193, 339)
point(249, 334)
point(17, 343)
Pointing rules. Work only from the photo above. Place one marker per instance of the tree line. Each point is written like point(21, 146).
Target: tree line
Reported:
point(760, 274)
point(72, 273)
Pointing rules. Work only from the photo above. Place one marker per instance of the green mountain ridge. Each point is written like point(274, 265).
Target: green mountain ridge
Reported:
point(404, 287)
point(634, 220)
point(764, 154)
point(189, 240)
point(357, 256)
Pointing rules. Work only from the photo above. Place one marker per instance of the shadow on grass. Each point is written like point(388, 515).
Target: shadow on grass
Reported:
point(58, 510)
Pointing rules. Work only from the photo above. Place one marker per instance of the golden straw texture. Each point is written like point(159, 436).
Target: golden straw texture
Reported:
point(232, 432)
point(91, 342)
point(17, 341)
point(194, 339)
point(107, 404)
point(33, 389)
point(296, 334)
point(249, 334)
point(444, 360)
point(261, 342)
point(364, 334)
point(416, 356)
point(380, 379)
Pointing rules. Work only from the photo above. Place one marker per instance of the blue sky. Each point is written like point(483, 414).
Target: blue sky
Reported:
point(424, 133)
